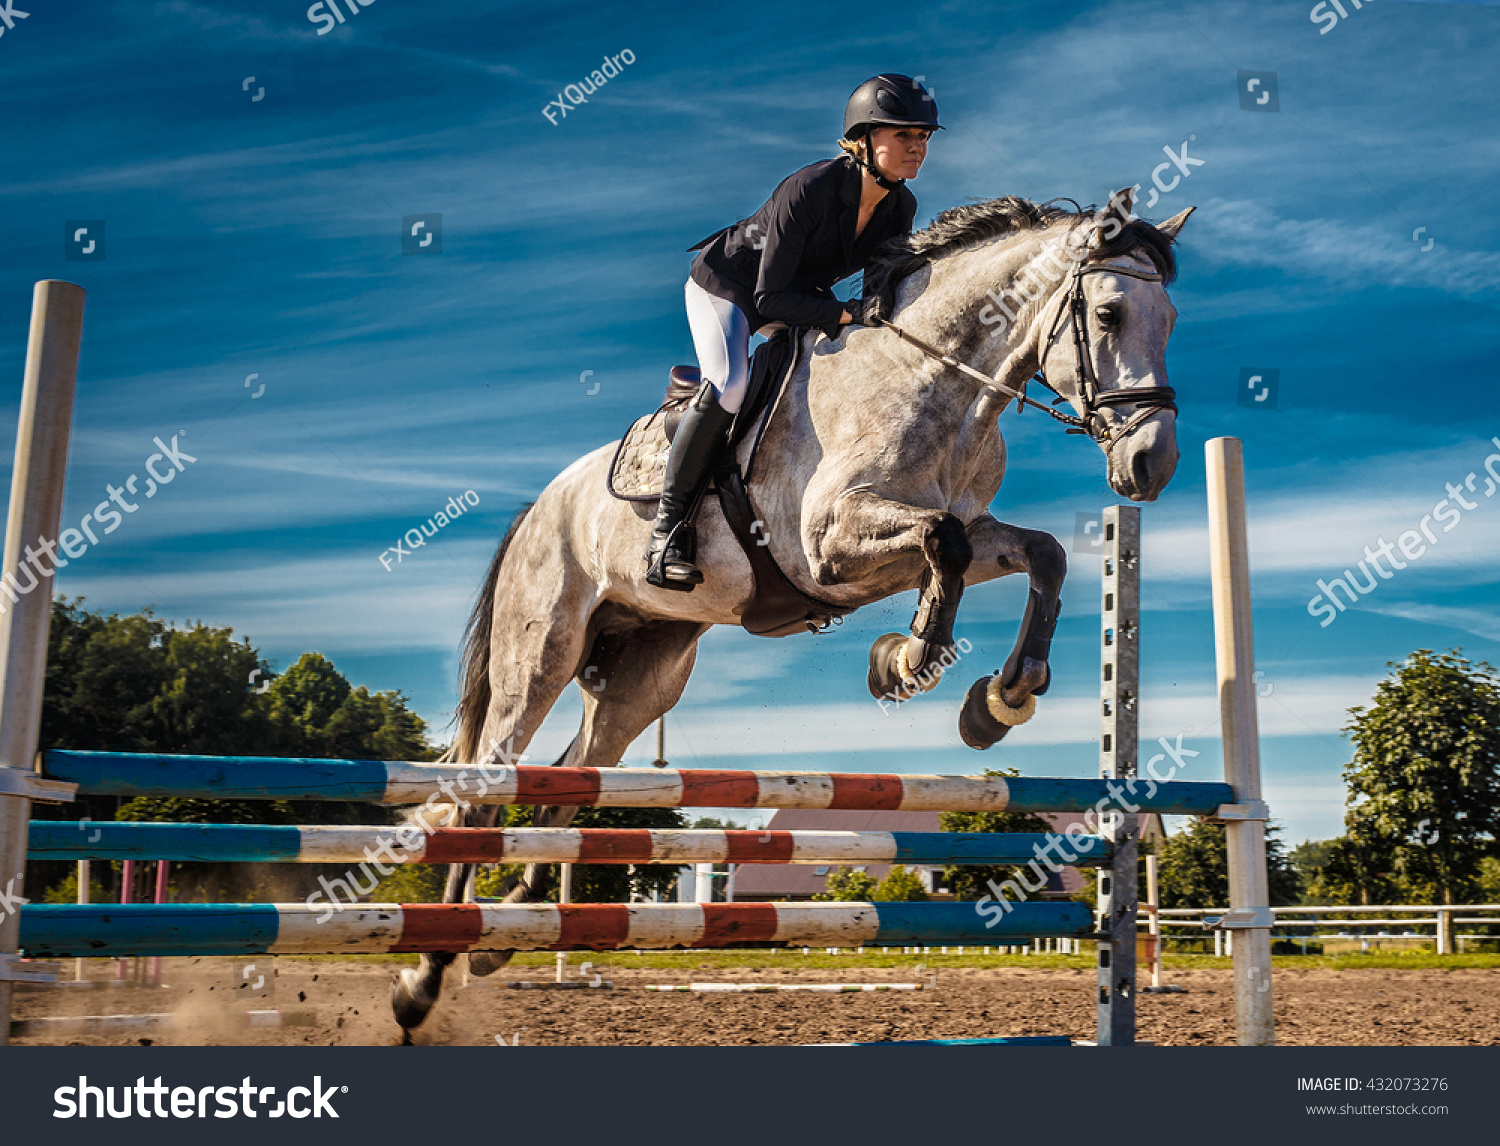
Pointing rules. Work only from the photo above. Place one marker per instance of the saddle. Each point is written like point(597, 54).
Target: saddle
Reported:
point(777, 608)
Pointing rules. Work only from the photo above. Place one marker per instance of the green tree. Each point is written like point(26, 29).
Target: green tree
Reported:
point(847, 885)
point(1358, 870)
point(900, 885)
point(139, 684)
point(309, 711)
point(305, 699)
point(67, 890)
point(973, 882)
point(1424, 781)
point(1489, 880)
point(1193, 869)
point(1309, 859)
point(414, 883)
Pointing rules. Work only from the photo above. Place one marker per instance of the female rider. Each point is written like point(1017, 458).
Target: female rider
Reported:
point(777, 268)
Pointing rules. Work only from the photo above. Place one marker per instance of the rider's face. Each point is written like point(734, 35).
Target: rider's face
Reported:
point(899, 151)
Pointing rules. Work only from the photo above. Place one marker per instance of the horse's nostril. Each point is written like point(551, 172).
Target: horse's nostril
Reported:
point(1140, 469)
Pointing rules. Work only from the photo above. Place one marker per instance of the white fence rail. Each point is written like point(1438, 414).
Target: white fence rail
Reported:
point(1442, 918)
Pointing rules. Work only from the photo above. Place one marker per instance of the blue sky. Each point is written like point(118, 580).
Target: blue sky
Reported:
point(249, 235)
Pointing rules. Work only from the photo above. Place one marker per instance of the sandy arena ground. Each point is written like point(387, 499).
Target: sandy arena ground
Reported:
point(343, 1003)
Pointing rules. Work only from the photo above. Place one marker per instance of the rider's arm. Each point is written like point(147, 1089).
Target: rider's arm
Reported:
point(793, 219)
point(905, 217)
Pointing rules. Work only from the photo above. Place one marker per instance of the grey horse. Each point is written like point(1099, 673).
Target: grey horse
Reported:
point(874, 476)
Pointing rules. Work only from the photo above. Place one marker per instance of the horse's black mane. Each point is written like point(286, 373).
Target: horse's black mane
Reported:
point(967, 226)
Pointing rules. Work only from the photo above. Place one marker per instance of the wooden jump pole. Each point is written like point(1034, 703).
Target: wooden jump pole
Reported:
point(1234, 649)
point(35, 513)
point(407, 782)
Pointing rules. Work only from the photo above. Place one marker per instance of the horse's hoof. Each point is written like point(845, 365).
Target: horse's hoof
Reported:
point(977, 727)
point(926, 678)
point(883, 680)
point(1033, 678)
point(410, 1002)
point(483, 963)
point(1004, 709)
point(987, 715)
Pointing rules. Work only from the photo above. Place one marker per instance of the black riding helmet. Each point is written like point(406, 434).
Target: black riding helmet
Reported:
point(888, 101)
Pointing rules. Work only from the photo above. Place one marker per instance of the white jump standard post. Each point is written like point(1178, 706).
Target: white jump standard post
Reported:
point(35, 512)
point(564, 895)
point(1119, 670)
point(1245, 819)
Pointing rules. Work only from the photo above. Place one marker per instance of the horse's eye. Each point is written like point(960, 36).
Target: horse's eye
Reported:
point(1108, 316)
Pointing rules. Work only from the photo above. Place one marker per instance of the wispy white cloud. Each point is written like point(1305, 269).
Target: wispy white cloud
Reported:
point(1335, 249)
point(1483, 623)
point(1295, 707)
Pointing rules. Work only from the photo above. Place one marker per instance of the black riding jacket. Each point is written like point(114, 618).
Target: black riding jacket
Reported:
point(780, 264)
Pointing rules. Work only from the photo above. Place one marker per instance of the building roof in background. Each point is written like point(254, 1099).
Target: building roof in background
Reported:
point(774, 880)
point(800, 881)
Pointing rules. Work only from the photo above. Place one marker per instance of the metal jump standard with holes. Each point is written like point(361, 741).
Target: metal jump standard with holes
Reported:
point(1119, 634)
point(158, 929)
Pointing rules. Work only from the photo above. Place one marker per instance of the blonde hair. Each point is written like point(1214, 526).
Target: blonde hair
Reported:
point(852, 146)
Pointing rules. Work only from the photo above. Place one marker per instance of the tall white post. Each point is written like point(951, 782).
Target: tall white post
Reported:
point(661, 742)
point(703, 883)
point(564, 895)
point(1154, 915)
point(36, 493)
point(83, 897)
point(1234, 655)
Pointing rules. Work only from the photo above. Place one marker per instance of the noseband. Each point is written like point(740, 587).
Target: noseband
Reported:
point(1150, 399)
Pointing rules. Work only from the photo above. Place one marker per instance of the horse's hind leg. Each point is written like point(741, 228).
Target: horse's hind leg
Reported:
point(634, 672)
point(530, 664)
point(995, 704)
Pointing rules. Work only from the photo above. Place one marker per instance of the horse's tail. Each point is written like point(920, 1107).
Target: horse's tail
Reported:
point(474, 665)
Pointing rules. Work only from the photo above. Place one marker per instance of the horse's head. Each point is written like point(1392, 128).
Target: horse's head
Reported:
point(1079, 296)
point(1104, 349)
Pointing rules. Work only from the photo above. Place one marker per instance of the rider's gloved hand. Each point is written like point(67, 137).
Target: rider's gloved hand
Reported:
point(865, 311)
point(861, 311)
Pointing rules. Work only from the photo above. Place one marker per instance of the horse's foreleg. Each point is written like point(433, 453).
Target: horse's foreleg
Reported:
point(867, 532)
point(948, 554)
point(996, 704)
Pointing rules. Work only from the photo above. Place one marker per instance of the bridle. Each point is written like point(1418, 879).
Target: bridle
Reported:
point(1150, 399)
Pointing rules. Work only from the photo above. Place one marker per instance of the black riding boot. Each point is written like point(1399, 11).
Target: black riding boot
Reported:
point(695, 448)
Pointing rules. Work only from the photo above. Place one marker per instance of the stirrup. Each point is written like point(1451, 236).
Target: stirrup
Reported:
point(671, 566)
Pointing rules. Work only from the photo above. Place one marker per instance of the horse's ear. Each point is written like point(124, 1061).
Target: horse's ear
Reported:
point(1112, 220)
point(1172, 226)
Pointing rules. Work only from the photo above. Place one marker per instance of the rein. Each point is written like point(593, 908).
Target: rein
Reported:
point(1150, 399)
